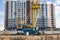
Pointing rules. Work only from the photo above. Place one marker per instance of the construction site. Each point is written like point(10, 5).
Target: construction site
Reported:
point(29, 20)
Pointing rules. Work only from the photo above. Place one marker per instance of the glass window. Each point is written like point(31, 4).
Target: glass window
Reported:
point(42, 4)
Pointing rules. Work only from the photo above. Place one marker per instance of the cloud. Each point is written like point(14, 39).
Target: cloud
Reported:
point(1, 28)
point(57, 23)
point(1, 21)
point(57, 2)
point(1, 25)
point(3, 1)
point(49, 2)
point(57, 13)
point(57, 16)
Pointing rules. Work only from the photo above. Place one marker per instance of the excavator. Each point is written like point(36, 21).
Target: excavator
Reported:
point(35, 10)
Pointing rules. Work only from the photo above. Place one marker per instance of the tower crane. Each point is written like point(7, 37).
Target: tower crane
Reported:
point(35, 7)
point(35, 10)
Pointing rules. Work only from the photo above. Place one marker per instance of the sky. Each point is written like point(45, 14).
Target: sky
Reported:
point(57, 12)
point(2, 5)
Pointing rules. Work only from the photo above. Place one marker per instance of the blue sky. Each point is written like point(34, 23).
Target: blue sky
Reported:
point(1, 11)
point(57, 11)
point(2, 14)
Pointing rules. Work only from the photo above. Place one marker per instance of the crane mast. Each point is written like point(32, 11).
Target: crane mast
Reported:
point(35, 8)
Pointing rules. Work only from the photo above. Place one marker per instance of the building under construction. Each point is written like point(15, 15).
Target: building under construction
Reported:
point(29, 20)
point(29, 15)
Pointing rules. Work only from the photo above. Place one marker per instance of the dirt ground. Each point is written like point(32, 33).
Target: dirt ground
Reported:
point(30, 37)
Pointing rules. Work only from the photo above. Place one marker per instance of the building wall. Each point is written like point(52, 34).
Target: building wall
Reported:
point(23, 11)
point(12, 11)
point(51, 15)
point(6, 15)
point(46, 17)
point(42, 20)
point(28, 11)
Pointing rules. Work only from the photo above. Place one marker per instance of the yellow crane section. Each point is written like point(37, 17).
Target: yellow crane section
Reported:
point(35, 6)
